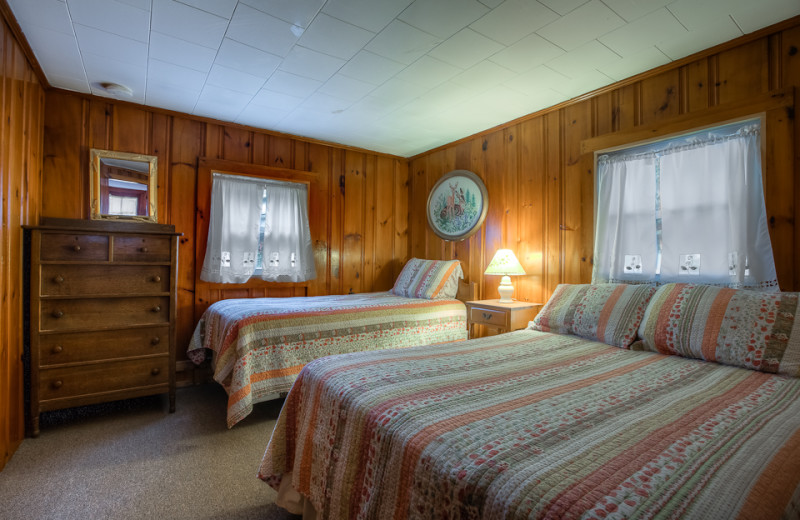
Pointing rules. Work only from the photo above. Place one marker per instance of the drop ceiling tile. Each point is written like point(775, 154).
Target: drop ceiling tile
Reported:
point(585, 23)
point(370, 67)
point(483, 76)
point(276, 100)
point(335, 37)
point(49, 14)
point(513, 20)
point(101, 69)
point(465, 48)
point(646, 59)
point(174, 76)
point(235, 80)
point(76, 84)
point(695, 14)
point(527, 53)
point(292, 84)
point(593, 79)
point(107, 14)
point(111, 45)
point(222, 8)
point(403, 43)
point(542, 99)
point(141, 4)
point(442, 18)
point(311, 64)
point(347, 88)
point(221, 103)
point(647, 31)
point(260, 116)
point(373, 107)
point(56, 52)
point(297, 12)
point(563, 7)
point(537, 80)
point(442, 97)
point(491, 4)
point(180, 52)
point(324, 103)
point(592, 55)
point(187, 23)
point(171, 98)
point(428, 72)
point(262, 31)
point(399, 91)
point(372, 15)
point(693, 41)
point(764, 13)
point(248, 59)
point(631, 10)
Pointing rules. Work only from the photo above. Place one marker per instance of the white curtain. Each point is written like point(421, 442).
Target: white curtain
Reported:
point(691, 209)
point(287, 252)
point(233, 229)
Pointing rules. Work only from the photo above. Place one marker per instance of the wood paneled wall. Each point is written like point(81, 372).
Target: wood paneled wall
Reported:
point(358, 210)
point(21, 114)
point(541, 184)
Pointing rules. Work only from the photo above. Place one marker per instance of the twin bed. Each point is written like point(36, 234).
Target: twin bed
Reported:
point(624, 402)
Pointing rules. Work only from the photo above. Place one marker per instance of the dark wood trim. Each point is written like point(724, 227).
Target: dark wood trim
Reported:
point(116, 226)
point(16, 30)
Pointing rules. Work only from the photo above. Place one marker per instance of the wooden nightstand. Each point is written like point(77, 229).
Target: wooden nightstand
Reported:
point(505, 317)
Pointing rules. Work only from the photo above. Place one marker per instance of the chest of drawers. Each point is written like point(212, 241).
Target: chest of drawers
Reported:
point(102, 313)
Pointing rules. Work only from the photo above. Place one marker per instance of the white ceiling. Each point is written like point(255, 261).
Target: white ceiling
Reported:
point(395, 76)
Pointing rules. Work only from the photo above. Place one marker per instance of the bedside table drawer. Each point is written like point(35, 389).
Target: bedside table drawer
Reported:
point(488, 316)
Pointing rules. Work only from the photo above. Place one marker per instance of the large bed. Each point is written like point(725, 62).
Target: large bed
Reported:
point(624, 409)
point(257, 346)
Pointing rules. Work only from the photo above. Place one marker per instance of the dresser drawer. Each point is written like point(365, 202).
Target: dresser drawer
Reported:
point(488, 316)
point(87, 280)
point(57, 246)
point(77, 347)
point(103, 313)
point(80, 380)
point(141, 248)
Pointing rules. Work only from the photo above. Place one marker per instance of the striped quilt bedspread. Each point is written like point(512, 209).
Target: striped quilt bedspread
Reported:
point(259, 345)
point(537, 425)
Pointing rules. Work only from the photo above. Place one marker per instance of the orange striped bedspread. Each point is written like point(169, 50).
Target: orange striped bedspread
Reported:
point(259, 345)
point(537, 425)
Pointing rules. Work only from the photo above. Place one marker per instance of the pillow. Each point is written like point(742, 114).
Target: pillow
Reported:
point(609, 312)
point(431, 279)
point(749, 329)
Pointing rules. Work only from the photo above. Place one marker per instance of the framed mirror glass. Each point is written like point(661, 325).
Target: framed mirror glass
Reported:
point(123, 186)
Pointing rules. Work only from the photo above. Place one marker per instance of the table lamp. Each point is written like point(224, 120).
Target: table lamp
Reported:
point(506, 264)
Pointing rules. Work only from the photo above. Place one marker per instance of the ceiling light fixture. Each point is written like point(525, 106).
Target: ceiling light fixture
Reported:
point(116, 90)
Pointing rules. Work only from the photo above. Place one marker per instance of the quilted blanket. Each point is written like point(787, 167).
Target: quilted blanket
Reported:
point(259, 345)
point(536, 425)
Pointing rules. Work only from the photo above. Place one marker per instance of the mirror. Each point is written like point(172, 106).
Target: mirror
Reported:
point(123, 186)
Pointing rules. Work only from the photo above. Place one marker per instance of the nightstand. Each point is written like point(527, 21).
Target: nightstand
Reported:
point(505, 317)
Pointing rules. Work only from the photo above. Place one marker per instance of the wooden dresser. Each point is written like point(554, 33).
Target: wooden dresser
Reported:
point(102, 313)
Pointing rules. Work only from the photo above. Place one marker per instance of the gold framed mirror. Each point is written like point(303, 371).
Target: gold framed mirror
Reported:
point(123, 186)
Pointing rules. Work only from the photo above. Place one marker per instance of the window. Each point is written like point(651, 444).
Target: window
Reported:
point(689, 209)
point(258, 227)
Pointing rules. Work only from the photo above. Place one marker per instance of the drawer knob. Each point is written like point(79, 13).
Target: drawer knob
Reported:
point(487, 315)
point(57, 384)
point(155, 341)
point(58, 279)
point(143, 249)
point(155, 371)
point(157, 308)
point(156, 278)
point(57, 313)
point(76, 248)
point(58, 349)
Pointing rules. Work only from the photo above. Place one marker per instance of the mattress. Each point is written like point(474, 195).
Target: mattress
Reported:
point(259, 345)
point(537, 425)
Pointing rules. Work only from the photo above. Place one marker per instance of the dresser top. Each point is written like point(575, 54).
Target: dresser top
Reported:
point(104, 226)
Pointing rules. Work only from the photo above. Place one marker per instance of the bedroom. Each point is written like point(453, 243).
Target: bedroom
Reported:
point(535, 163)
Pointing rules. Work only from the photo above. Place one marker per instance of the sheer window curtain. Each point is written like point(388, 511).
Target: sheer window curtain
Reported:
point(685, 210)
point(287, 254)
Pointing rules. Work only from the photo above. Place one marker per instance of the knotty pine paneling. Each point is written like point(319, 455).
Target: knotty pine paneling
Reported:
point(21, 112)
point(358, 209)
point(541, 185)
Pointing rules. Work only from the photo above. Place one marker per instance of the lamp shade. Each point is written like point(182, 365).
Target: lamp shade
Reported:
point(504, 263)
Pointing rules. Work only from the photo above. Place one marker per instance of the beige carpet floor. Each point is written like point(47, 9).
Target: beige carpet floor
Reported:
point(132, 460)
